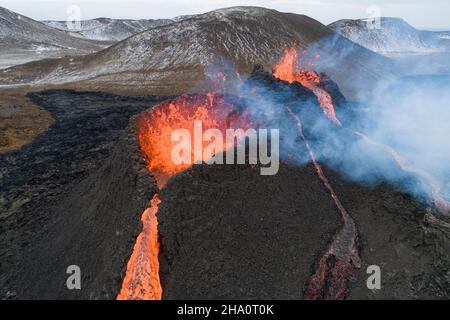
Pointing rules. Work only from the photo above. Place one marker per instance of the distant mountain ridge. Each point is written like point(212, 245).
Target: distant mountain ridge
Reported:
point(176, 58)
point(25, 39)
point(394, 36)
point(106, 29)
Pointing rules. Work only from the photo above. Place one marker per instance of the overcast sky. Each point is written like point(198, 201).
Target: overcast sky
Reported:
point(423, 14)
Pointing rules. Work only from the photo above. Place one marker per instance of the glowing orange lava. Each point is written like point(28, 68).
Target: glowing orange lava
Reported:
point(156, 126)
point(289, 69)
point(142, 276)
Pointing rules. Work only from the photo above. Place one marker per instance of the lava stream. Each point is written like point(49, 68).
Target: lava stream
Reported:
point(439, 202)
point(340, 261)
point(142, 275)
point(288, 69)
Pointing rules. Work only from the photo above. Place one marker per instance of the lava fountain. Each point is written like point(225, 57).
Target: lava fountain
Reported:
point(155, 129)
point(290, 69)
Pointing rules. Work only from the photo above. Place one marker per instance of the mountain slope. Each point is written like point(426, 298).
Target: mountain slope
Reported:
point(175, 58)
point(395, 36)
point(23, 39)
point(106, 29)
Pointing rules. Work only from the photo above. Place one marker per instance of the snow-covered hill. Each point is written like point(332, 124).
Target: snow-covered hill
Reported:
point(176, 58)
point(23, 39)
point(395, 36)
point(106, 29)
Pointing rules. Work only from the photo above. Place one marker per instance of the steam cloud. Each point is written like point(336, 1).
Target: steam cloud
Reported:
point(409, 112)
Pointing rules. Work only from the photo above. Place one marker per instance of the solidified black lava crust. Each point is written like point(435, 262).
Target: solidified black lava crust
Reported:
point(228, 233)
point(74, 196)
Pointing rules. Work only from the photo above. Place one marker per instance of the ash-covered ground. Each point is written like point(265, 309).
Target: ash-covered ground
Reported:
point(76, 193)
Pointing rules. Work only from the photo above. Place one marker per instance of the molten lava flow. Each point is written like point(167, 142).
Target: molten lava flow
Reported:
point(142, 276)
point(154, 136)
point(156, 126)
point(439, 202)
point(341, 259)
point(289, 69)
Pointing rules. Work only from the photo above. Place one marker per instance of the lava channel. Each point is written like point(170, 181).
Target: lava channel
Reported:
point(141, 280)
point(341, 260)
